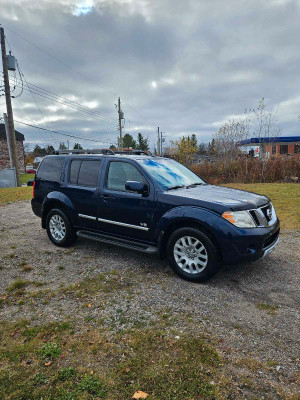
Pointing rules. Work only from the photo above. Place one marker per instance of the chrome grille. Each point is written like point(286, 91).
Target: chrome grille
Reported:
point(264, 216)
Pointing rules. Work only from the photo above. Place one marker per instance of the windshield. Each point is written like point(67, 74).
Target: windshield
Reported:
point(169, 173)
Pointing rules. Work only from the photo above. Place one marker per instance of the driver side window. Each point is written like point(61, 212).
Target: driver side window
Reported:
point(119, 172)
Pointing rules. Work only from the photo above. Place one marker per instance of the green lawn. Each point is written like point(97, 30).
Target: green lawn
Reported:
point(8, 195)
point(26, 177)
point(284, 196)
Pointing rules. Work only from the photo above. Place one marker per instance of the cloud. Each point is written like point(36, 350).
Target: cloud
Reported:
point(186, 67)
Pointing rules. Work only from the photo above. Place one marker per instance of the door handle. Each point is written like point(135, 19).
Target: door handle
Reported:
point(105, 197)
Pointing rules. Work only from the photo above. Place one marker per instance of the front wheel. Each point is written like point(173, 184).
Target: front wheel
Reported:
point(192, 254)
point(59, 228)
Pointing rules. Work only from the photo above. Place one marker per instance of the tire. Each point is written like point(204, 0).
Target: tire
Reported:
point(59, 228)
point(192, 254)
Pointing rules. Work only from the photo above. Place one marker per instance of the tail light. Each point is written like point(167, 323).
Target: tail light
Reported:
point(33, 187)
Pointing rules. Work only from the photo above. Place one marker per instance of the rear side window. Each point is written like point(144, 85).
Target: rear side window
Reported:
point(50, 169)
point(84, 172)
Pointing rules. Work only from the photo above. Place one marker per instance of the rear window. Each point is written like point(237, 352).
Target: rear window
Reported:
point(84, 172)
point(50, 169)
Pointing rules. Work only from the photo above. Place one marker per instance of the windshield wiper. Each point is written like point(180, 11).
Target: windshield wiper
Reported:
point(194, 184)
point(176, 187)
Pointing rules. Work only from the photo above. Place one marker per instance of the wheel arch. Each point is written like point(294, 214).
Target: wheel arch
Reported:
point(53, 202)
point(185, 223)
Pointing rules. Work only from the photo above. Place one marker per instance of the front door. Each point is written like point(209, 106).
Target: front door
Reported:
point(122, 212)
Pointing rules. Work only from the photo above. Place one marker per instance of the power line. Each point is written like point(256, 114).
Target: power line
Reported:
point(59, 132)
point(90, 133)
point(59, 61)
point(68, 103)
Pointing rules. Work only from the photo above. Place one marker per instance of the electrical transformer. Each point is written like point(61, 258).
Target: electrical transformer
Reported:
point(11, 62)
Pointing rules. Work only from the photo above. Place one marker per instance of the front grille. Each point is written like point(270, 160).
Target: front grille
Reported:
point(254, 216)
point(267, 210)
point(272, 239)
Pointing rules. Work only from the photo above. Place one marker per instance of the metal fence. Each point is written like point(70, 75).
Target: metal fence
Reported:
point(8, 178)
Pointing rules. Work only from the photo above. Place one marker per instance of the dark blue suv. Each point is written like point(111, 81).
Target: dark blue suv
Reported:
point(154, 205)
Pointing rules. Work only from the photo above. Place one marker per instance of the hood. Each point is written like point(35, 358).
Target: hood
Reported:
point(217, 198)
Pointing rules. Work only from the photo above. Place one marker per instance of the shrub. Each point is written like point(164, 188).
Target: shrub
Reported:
point(277, 169)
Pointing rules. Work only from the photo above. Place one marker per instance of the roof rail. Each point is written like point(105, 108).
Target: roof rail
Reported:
point(85, 151)
point(103, 151)
point(133, 152)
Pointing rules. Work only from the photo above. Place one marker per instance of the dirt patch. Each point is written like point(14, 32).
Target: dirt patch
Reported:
point(250, 312)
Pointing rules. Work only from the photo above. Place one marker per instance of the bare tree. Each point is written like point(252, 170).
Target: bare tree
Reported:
point(259, 123)
point(266, 128)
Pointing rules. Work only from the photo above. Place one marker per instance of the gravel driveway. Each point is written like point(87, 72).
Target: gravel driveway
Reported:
point(252, 311)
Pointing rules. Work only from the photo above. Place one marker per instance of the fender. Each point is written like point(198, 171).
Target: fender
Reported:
point(209, 219)
point(61, 200)
point(212, 222)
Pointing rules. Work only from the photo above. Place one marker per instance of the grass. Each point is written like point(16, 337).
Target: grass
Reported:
point(269, 308)
point(8, 195)
point(93, 364)
point(284, 196)
point(25, 177)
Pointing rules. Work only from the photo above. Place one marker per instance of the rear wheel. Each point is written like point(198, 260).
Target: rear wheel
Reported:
point(59, 228)
point(192, 254)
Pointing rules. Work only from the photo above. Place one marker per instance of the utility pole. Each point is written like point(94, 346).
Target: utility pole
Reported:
point(158, 142)
point(161, 143)
point(120, 125)
point(10, 129)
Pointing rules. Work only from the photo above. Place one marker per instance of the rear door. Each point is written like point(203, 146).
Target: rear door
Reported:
point(122, 212)
point(83, 190)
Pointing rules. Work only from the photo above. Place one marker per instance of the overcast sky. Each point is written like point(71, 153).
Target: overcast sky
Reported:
point(185, 66)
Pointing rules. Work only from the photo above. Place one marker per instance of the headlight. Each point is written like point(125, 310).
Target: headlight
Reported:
point(241, 219)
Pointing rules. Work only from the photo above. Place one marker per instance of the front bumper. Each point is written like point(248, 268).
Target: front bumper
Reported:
point(250, 244)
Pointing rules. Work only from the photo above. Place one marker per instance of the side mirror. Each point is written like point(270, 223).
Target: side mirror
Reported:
point(30, 182)
point(139, 187)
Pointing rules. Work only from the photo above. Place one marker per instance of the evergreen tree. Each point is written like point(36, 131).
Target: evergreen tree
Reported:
point(194, 140)
point(202, 149)
point(77, 146)
point(62, 146)
point(39, 151)
point(50, 149)
point(142, 143)
point(128, 141)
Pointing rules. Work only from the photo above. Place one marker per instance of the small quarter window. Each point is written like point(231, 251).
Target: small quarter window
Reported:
point(84, 172)
point(74, 171)
point(50, 169)
point(121, 172)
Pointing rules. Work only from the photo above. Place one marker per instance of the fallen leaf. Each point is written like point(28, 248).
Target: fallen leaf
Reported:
point(92, 372)
point(89, 305)
point(140, 395)
point(127, 369)
point(48, 363)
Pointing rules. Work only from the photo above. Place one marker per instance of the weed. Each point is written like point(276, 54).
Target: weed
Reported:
point(66, 373)
point(40, 379)
point(271, 309)
point(50, 351)
point(17, 284)
point(91, 384)
point(60, 267)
